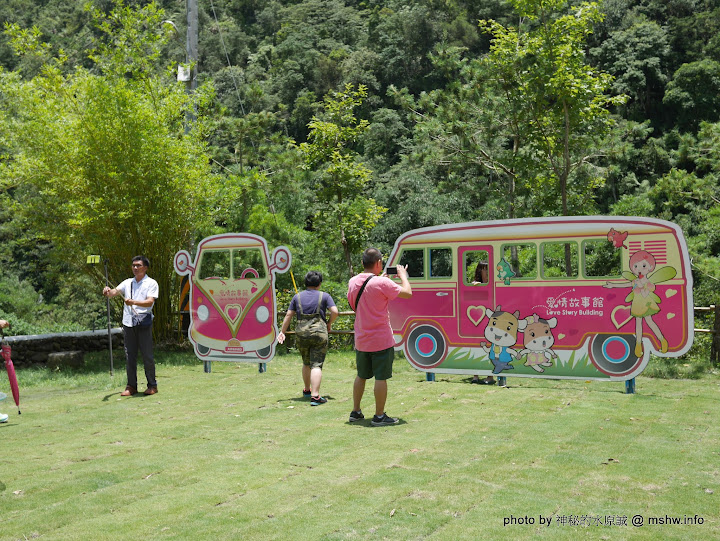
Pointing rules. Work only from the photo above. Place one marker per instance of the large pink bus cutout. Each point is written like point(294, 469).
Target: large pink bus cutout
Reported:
point(570, 297)
point(232, 297)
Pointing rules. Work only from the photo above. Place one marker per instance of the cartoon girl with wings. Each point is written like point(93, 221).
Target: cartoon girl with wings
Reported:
point(644, 301)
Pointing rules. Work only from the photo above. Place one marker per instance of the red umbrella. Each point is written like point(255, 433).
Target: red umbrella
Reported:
point(10, 367)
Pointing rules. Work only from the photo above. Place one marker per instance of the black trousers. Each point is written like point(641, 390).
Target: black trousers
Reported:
point(139, 338)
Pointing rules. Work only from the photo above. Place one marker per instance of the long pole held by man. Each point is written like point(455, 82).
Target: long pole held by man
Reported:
point(107, 299)
point(94, 260)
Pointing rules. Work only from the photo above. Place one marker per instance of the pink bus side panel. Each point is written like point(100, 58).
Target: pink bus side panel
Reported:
point(556, 328)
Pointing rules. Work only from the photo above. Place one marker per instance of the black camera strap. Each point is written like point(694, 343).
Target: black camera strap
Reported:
point(357, 299)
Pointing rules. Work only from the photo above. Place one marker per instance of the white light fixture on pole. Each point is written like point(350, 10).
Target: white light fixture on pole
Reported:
point(187, 71)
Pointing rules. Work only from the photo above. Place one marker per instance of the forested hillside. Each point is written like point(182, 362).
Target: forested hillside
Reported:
point(326, 125)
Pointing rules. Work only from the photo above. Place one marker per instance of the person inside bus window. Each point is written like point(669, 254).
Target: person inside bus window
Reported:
point(481, 273)
point(481, 278)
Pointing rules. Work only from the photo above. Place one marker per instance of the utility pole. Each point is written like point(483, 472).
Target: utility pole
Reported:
point(187, 71)
point(191, 49)
point(191, 46)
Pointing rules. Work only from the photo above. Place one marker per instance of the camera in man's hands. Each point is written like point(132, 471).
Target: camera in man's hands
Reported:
point(391, 270)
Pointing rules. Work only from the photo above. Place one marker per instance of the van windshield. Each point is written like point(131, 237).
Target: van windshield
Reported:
point(248, 263)
point(238, 263)
point(214, 265)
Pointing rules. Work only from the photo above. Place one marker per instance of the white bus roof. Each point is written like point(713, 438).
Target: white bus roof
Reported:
point(532, 228)
point(232, 240)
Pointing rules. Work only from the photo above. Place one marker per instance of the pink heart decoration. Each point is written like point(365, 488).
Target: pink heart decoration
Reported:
point(621, 316)
point(233, 311)
point(476, 314)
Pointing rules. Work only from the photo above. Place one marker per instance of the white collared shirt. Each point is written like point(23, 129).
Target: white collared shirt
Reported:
point(139, 291)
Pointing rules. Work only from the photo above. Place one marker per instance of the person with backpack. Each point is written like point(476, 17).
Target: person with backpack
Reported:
point(311, 332)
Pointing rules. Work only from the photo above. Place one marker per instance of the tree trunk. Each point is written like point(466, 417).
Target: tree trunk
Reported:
point(346, 250)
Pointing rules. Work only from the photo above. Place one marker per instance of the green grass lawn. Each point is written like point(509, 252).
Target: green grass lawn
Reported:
point(237, 454)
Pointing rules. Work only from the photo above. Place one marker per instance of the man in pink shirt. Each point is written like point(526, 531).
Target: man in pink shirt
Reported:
point(369, 294)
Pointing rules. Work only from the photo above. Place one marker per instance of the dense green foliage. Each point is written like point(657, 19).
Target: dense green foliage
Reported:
point(472, 109)
point(105, 154)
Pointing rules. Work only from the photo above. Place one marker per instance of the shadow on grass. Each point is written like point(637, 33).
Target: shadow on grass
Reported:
point(139, 394)
point(304, 399)
point(564, 386)
point(366, 423)
point(107, 397)
point(297, 399)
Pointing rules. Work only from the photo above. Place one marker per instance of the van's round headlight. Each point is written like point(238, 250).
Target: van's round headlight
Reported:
point(262, 314)
point(203, 312)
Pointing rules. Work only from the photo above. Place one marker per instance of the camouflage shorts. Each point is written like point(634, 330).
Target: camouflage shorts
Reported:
point(313, 351)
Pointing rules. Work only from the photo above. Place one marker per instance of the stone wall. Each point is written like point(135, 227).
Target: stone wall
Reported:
point(34, 349)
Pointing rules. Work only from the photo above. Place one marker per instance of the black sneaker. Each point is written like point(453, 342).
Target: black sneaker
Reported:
point(317, 400)
point(384, 420)
point(307, 393)
point(356, 416)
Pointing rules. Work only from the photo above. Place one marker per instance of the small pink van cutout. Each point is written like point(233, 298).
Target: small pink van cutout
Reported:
point(232, 297)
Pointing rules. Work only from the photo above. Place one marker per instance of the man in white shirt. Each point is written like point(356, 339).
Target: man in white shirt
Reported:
point(140, 293)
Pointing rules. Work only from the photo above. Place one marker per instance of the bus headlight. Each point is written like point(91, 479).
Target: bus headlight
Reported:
point(262, 314)
point(203, 312)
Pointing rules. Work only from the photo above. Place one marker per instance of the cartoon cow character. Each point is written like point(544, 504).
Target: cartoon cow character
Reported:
point(501, 332)
point(538, 343)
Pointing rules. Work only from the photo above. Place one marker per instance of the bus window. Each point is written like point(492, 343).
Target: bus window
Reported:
point(476, 267)
point(602, 259)
point(522, 259)
point(414, 259)
point(559, 260)
point(248, 263)
point(440, 262)
point(215, 265)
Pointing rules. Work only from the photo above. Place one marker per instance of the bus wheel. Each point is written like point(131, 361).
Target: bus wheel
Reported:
point(614, 354)
point(202, 350)
point(264, 353)
point(425, 347)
